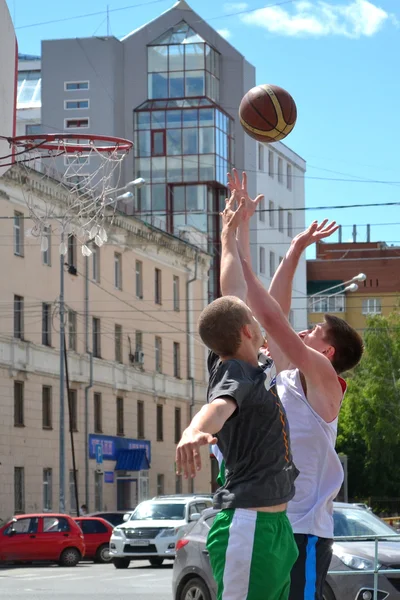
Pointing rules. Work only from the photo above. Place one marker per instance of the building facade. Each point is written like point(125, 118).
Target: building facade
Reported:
point(132, 306)
point(336, 264)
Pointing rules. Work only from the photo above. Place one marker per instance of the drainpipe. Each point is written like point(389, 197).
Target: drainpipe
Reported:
point(87, 388)
point(189, 374)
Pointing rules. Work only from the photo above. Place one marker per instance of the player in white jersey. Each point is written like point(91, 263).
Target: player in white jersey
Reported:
point(312, 403)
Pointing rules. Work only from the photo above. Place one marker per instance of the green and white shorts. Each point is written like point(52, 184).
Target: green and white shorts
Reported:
point(251, 554)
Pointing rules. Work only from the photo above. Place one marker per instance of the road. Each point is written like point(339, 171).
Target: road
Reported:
point(86, 581)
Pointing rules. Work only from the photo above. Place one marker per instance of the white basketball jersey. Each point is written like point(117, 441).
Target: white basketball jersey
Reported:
point(313, 448)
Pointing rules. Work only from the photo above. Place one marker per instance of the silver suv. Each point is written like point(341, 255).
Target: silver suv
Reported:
point(153, 529)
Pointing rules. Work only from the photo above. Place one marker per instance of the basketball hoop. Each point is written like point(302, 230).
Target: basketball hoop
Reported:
point(84, 172)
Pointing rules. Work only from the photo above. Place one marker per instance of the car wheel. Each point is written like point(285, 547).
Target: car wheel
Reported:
point(121, 563)
point(103, 554)
point(195, 589)
point(327, 593)
point(156, 561)
point(69, 557)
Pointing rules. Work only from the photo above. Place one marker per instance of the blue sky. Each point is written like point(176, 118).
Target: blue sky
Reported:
point(338, 59)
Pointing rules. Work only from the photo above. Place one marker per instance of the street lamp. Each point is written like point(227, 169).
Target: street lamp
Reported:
point(359, 277)
point(353, 287)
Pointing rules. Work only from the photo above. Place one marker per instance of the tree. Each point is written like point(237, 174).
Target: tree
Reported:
point(369, 422)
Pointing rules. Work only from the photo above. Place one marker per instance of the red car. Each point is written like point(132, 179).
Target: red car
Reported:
point(42, 537)
point(97, 533)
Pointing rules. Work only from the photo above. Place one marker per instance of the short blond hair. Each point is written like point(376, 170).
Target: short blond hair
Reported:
point(220, 325)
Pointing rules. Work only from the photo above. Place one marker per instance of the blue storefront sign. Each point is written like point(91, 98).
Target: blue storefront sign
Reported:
point(108, 476)
point(99, 454)
point(111, 445)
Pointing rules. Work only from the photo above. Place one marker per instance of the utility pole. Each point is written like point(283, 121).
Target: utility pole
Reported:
point(62, 411)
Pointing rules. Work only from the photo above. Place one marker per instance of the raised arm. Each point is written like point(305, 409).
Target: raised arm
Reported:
point(321, 378)
point(232, 278)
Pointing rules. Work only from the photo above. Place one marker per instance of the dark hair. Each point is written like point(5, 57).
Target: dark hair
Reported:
point(220, 325)
point(348, 344)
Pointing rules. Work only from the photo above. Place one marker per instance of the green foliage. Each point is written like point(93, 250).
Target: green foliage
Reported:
point(369, 422)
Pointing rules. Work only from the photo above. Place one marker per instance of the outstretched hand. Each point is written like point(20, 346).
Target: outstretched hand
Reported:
point(231, 216)
point(188, 459)
point(240, 187)
point(314, 233)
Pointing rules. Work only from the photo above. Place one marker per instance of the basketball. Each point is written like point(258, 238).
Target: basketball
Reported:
point(267, 113)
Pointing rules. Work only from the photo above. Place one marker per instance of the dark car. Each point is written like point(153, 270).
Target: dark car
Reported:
point(192, 577)
point(115, 518)
point(97, 533)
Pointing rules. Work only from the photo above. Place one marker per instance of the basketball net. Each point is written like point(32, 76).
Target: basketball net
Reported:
point(69, 183)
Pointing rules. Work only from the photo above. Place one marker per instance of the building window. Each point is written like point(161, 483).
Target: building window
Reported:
point(261, 210)
point(291, 317)
point(158, 146)
point(139, 341)
point(19, 490)
point(47, 489)
point(175, 285)
point(18, 403)
point(280, 259)
point(46, 324)
point(158, 354)
point(76, 123)
point(177, 360)
point(160, 484)
point(260, 157)
point(280, 219)
point(118, 270)
point(76, 104)
point(271, 212)
point(46, 254)
point(120, 416)
point(118, 343)
point(72, 338)
point(96, 334)
point(327, 304)
point(157, 286)
point(72, 495)
point(95, 263)
point(73, 410)
point(19, 317)
point(289, 176)
point(271, 264)
point(140, 419)
point(290, 224)
point(33, 129)
point(18, 233)
point(71, 255)
point(98, 491)
point(71, 86)
point(178, 484)
point(178, 425)
point(280, 170)
point(98, 413)
point(160, 423)
point(139, 279)
point(262, 259)
point(47, 409)
point(270, 163)
point(371, 306)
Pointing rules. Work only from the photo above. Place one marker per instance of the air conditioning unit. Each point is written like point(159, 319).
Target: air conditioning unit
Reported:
point(139, 357)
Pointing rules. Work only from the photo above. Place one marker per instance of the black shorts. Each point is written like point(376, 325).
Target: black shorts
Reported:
point(309, 571)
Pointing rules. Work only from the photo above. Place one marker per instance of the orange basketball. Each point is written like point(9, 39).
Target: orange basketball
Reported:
point(267, 113)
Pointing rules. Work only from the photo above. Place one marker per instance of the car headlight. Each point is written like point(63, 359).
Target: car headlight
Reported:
point(170, 532)
point(355, 562)
point(117, 532)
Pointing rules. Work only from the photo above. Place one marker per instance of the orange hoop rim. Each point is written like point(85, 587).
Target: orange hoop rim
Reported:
point(64, 143)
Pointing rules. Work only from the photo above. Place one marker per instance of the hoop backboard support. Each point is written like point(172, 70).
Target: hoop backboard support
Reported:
point(8, 80)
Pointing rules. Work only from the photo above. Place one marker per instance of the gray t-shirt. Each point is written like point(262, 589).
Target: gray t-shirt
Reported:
point(255, 440)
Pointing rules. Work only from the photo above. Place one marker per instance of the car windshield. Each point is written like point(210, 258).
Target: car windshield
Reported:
point(159, 511)
point(354, 521)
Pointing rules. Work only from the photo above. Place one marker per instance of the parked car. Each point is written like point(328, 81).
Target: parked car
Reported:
point(115, 518)
point(154, 528)
point(97, 533)
point(42, 537)
point(192, 577)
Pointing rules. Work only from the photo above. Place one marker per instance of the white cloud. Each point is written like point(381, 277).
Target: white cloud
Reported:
point(235, 6)
point(355, 19)
point(225, 33)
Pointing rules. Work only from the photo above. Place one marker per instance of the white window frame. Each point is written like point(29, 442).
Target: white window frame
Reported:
point(66, 107)
point(328, 304)
point(290, 224)
point(95, 263)
point(176, 295)
point(139, 279)
point(118, 270)
point(371, 306)
point(46, 255)
point(280, 170)
point(261, 210)
point(281, 219)
point(272, 265)
point(289, 176)
point(271, 209)
point(158, 353)
point(18, 224)
point(47, 489)
point(271, 161)
point(77, 119)
point(260, 157)
point(67, 83)
point(262, 260)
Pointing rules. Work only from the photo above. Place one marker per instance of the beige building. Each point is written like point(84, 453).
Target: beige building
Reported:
point(133, 304)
